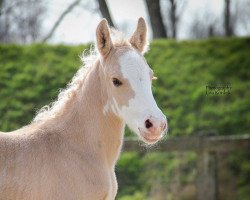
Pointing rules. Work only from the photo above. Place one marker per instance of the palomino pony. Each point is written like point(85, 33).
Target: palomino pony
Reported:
point(70, 149)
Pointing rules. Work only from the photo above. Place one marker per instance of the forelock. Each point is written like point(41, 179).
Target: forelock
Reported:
point(118, 39)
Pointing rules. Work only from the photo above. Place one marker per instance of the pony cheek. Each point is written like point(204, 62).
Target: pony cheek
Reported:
point(129, 118)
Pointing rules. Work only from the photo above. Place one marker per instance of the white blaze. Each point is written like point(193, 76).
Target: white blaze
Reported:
point(135, 69)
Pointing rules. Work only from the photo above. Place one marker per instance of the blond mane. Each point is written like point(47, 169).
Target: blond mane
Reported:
point(88, 58)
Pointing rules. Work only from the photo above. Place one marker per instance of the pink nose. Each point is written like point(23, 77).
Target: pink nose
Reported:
point(154, 126)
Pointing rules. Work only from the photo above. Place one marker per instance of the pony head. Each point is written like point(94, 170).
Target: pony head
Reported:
point(128, 80)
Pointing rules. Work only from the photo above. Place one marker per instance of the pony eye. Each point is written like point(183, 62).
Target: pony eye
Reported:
point(116, 82)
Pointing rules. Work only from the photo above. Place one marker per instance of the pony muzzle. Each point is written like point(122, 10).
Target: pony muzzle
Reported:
point(153, 129)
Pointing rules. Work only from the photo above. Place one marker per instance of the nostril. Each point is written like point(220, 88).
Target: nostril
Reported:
point(148, 124)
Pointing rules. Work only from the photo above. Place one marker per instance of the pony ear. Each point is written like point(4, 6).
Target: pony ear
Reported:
point(139, 38)
point(103, 39)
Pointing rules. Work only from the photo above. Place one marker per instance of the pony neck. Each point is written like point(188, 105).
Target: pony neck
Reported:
point(86, 126)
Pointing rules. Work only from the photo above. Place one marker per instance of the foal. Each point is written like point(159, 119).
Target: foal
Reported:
point(70, 149)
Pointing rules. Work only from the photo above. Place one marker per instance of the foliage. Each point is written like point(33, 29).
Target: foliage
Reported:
point(154, 175)
point(31, 76)
point(184, 69)
point(136, 196)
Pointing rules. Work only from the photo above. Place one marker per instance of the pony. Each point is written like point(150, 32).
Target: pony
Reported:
point(70, 149)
